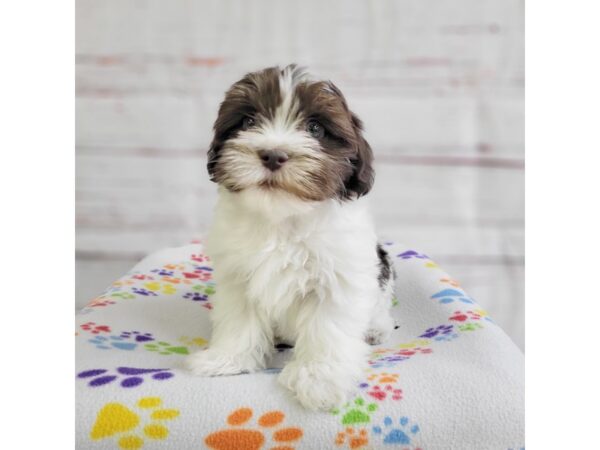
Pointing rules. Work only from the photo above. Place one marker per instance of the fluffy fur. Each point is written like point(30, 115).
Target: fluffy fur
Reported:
point(294, 249)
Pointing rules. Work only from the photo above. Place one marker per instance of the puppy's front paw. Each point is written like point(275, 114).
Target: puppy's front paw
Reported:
point(210, 363)
point(317, 386)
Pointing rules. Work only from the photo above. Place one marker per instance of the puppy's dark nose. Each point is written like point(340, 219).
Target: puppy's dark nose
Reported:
point(273, 159)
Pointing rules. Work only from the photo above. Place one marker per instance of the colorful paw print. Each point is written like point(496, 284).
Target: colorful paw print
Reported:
point(357, 412)
point(196, 297)
point(116, 420)
point(208, 288)
point(93, 328)
point(355, 439)
point(409, 254)
point(450, 281)
point(239, 436)
point(452, 295)
point(470, 326)
point(401, 433)
point(100, 302)
point(382, 393)
point(198, 341)
point(199, 258)
point(463, 316)
point(156, 286)
point(122, 295)
point(137, 336)
point(164, 348)
point(142, 277)
point(437, 331)
point(144, 292)
point(131, 376)
point(163, 272)
point(106, 343)
point(413, 351)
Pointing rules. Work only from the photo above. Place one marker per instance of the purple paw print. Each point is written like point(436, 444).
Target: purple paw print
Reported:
point(163, 272)
point(137, 336)
point(203, 268)
point(412, 254)
point(195, 296)
point(142, 291)
point(441, 330)
point(132, 376)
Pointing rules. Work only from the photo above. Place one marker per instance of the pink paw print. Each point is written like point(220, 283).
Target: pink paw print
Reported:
point(413, 351)
point(199, 258)
point(382, 393)
point(461, 316)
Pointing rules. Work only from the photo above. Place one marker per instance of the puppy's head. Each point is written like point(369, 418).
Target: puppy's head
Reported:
point(281, 130)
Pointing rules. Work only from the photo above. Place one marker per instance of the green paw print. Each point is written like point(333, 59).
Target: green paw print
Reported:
point(208, 290)
point(395, 301)
point(469, 327)
point(358, 412)
point(123, 295)
point(164, 348)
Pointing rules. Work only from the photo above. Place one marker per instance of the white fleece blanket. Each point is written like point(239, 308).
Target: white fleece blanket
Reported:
point(450, 378)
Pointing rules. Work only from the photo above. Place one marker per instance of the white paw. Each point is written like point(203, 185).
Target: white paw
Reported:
point(380, 331)
point(209, 363)
point(317, 386)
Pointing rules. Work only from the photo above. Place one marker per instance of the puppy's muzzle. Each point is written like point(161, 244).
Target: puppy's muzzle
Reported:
point(273, 159)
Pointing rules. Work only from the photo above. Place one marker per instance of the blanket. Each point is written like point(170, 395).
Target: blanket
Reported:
point(448, 379)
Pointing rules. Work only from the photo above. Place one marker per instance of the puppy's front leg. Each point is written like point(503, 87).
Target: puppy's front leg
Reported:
point(239, 342)
point(329, 356)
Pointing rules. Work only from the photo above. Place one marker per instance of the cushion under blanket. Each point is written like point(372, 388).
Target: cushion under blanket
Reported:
point(449, 378)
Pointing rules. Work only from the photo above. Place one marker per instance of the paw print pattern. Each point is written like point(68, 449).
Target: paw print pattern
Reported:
point(132, 376)
point(137, 336)
point(452, 295)
point(196, 297)
point(144, 292)
point(106, 343)
point(409, 254)
point(450, 281)
point(239, 435)
point(93, 328)
point(401, 433)
point(382, 393)
point(163, 272)
point(198, 341)
point(199, 258)
point(164, 288)
point(132, 427)
point(470, 326)
point(164, 348)
point(437, 331)
point(357, 412)
point(353, 438)
point(100, 302)
point(122, 295)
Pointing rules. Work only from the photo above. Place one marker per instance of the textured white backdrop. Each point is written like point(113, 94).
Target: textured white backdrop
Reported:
point(438, 83)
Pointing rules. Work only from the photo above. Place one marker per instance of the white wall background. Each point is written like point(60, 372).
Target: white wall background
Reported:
point(438, 83)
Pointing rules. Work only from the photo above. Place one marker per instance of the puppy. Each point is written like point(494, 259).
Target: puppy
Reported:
point(294, 249)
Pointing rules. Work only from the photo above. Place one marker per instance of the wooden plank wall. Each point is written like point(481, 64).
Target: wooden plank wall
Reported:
point(439, 84)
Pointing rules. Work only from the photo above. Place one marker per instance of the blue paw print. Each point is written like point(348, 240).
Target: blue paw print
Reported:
point(402, 434)
point(106, 343)
point(441, 330)
point(163, 272)
point(412, 254)
point(451, 295)
point(196, 297)
point(142, 291)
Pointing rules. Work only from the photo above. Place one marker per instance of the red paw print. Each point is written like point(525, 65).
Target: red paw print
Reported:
point(413, 351)
point(381, 394)
point(100, 302)
point(461, 316)
point(95, 329)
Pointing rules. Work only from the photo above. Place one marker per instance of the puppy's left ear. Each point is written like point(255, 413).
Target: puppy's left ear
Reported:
point(363, 175)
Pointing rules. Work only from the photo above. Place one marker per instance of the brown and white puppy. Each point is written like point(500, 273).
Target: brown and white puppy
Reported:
point(294, 249)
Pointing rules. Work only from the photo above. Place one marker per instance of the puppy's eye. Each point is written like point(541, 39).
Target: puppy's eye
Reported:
point(248, 122)
point(315, 129)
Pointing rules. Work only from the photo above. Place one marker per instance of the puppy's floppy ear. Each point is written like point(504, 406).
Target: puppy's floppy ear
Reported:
point(363, 175)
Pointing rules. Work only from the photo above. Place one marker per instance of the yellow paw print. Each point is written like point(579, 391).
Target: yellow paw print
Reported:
point(193, 341)
point(163, 287)
point(116, 419)
point(414, 343)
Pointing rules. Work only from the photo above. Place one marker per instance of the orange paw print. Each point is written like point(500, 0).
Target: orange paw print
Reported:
point(384, 378)
point(450, 281)
point(241, 438)
point(355, 440)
